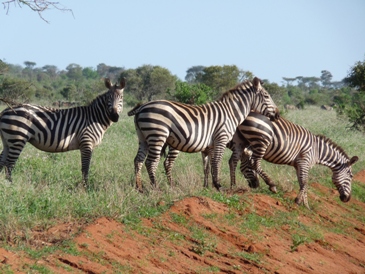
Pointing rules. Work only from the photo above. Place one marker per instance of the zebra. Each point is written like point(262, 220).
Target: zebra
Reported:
point(286, 143)
point(191, 128)
point(59, 130)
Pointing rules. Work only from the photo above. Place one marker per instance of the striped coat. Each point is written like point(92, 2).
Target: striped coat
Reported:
point(59, 130)
point(283, 142)
point(191, 128)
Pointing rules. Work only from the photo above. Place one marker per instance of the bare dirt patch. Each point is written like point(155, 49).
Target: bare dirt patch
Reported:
point(200, 235)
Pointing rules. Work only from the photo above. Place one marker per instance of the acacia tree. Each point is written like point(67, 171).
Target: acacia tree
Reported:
point(326, 78)
point(38, 6)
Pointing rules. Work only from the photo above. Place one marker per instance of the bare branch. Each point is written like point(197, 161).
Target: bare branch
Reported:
point(38, 6)
point(9, 103)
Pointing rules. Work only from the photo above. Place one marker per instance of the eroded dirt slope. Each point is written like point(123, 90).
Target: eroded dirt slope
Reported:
point(199, 235)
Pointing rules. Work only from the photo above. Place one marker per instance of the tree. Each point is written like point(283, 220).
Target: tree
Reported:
point(289, 81)
point(3, 67)
point(221, 78)
point(29, 64)
point(69, 92)
point(149, 82)
point(276, 92)
point(352, 104)
point(15, 90)
point(74, 72)
point(196, 94)
point(90, 73)
point(356, 76)
point(50, 70)
point(326, 78)
point(38, 6)
point(245, 75)
point(194, 74)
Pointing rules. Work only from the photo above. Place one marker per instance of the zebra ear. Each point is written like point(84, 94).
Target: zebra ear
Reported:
point(256, 83)
point(122, 83)
point(107, 82)
point(353, 160)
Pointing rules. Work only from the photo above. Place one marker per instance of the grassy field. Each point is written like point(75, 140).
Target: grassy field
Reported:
point(47, 189)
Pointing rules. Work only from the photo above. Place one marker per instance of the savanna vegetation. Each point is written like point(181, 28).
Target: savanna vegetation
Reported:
point(47, 187)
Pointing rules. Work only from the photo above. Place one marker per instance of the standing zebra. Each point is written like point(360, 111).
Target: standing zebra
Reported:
point(59, 130)
point(283, 142)
point(191, 128)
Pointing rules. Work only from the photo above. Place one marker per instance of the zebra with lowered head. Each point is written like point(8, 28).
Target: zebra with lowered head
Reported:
point(283, 142)
point(59, 130)
point(191, 128)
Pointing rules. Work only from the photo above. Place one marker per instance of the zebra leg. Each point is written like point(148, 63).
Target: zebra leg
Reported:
point(257, 167)
point(206, 165)
point(302, 175)
point(169, 163)
point(216, 162)
point(151, 165)
point(138, 163)
point(86, 153)
point(3, 156)
point(233, 165)
point(248, 172)
point(10, 155)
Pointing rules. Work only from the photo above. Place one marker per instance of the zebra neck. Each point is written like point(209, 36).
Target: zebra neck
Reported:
point(237, 105)
point(97, 113)
point(330, 154)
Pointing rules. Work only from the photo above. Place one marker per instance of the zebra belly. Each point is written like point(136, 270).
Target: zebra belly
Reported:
point(188, 146)
point(66, 144)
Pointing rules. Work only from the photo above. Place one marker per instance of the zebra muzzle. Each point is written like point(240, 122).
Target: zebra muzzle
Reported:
point(275, 116)
point(345, 198)
point(114, 117)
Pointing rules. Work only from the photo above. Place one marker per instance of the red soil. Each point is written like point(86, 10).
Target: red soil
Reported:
point(166, 245)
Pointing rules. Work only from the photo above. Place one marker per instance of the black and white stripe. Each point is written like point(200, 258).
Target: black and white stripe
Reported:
point(59, 130)
point(190, 128)
point(283, 142)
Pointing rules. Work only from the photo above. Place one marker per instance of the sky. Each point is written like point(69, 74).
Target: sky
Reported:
point(272, 39)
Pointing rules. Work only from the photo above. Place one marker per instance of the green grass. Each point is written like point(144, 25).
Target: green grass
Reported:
point(47, 188)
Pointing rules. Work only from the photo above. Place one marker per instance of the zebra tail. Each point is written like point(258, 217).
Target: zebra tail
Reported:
point(163, 151)
point(134, 110)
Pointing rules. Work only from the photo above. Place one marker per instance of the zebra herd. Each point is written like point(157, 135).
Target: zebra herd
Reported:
point(245, 119)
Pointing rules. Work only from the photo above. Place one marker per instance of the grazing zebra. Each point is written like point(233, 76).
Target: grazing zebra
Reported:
point(59, 130)
point(283, 142)
point(191, 128)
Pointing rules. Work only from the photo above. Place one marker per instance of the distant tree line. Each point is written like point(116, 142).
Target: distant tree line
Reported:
point(79, 85)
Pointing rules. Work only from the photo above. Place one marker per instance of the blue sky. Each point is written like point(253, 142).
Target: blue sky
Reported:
point(272, 39)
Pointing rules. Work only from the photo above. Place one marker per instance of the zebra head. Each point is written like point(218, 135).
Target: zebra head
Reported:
point(114, 99)
point(262, 102)
point(342, 178)
point(246, 169)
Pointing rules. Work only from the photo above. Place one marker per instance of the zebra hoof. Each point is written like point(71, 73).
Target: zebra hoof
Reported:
point(218, 187)
point(273, 189)
point(298, 201)
point(140, 190)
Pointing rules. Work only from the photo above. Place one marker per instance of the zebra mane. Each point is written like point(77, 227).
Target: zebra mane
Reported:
point(244, 85)
point(96, 99)
point(332, 143)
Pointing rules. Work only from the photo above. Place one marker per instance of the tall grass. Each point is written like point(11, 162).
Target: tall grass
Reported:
point(47, 187)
